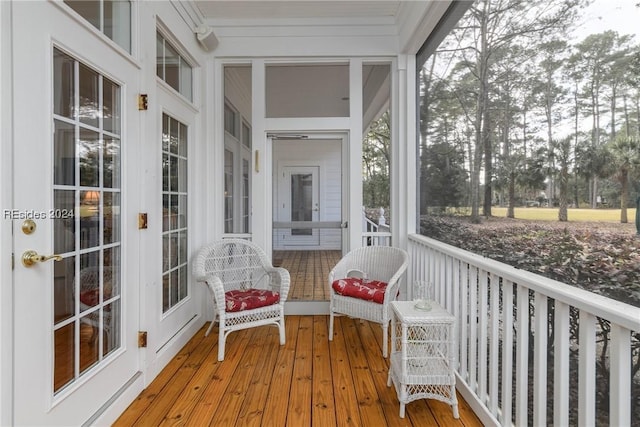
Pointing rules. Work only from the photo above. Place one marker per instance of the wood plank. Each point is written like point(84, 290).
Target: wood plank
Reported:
point(275, 408)
point(443, 413)
point(207, 406)
point(260, 384)
point(232, 399)
point(308, 381)
point(157, 410)
point(299, 410)
point(347, 410)
point(142, 403)
point(324, 411)
point(379, 368)
point(369, 404)
point(192, 393)
point(309, 270)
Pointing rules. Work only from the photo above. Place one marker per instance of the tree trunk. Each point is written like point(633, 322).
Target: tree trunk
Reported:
point(483, 113)
point(488, 166)
point(627, 125)
point(512, 195)
point(551, 190)
point(575, 147)
point(613, 113)
point(564, 192)
point(624, 196)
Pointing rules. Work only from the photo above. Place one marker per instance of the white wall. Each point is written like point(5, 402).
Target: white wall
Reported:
point(314, 152)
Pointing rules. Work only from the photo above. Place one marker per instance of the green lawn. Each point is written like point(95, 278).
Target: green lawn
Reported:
point(551, 214)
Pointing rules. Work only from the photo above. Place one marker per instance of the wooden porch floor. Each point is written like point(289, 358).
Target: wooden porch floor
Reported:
point(309, 272)
point(307, 382)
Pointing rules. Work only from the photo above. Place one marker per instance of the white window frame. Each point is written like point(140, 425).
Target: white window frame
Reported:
point(234, 142)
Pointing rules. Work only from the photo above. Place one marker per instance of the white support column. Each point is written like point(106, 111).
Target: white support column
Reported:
point(354, 160)
point(261, 194)
point(215, 155)
point(410, 142)
point(400, 144)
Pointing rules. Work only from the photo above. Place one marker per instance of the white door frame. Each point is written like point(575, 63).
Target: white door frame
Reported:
point(266, 167)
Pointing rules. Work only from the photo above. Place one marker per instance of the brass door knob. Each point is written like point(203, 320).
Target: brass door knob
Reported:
point(31, 257)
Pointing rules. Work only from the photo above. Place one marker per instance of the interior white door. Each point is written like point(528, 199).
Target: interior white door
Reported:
point(299, 196)
point(76, 130)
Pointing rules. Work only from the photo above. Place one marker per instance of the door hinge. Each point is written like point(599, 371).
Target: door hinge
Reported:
point(142, 339)
point(142, 221)
point(143, 101)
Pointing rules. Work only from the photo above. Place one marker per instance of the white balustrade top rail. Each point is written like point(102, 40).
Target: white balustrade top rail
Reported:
point(617, 312)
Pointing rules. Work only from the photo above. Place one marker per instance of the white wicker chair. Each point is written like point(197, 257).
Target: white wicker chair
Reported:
point(383, 263)
point(236, 264)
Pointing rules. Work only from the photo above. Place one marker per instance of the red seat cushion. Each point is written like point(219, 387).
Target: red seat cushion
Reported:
point(90, 298)
point(239, 300)
point(369, 290)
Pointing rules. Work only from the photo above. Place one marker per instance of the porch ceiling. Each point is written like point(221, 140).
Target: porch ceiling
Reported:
point(326, 28)
point(240, 10)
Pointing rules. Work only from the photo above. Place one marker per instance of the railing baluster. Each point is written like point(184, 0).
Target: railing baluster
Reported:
point(494, 350)
point(620, 377)
point(433, 277)
point(473, 329)
point(522, 355)
point(561, 365)
point(507, 351)
point(447, 279)
point(540, 361)
point(587, 370)
point(483, 308)
point(455, 280)
point(464, 320)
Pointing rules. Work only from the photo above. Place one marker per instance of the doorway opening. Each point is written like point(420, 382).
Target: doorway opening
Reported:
point(308, 207)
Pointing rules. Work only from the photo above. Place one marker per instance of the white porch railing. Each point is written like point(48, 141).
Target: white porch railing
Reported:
point(511, 374)
point(375, 234)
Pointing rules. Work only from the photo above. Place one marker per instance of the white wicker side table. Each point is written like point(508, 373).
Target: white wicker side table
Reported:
point(422, 354)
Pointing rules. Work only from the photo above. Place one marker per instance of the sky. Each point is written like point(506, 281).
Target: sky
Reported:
point(620, 15)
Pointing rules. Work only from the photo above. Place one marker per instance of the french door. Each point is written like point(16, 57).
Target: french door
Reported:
point(76, 275)
point(172, 305)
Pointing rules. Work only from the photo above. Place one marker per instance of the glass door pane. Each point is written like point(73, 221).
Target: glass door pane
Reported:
point(174, 201)
point(86, 194)
point(301, 201)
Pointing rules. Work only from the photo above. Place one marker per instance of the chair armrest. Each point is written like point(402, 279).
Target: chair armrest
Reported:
point(392, 287)
point(280, 281)
point(217, 289)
